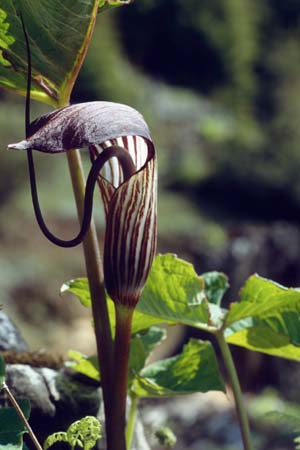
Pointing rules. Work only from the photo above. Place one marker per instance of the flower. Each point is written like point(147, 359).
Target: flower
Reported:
point(129, 202)
point(130, 208)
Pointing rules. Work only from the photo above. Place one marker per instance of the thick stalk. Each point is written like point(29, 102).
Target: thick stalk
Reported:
point(121, 357)
point(22, 417)
point(237, 392)
point(96, 284)
point(134, 399)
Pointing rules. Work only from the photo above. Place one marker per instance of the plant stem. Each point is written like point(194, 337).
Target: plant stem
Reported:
point(131, 420)
point(96, 284)
point(22, 416)
point(236, 388)
point(121, 357)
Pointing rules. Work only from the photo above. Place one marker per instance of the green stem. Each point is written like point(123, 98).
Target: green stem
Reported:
point(22, 416)
point(236, 388)
point(96, 284)
point(120, 375)
point(131, 420)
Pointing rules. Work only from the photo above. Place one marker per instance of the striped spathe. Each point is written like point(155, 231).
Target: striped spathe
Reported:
point(130, 207)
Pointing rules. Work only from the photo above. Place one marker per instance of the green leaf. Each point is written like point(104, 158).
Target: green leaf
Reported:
point(88, 366)
point(11, 441)
point(12, 428)
point(83, 433)
point(166, 437)
point(267, 319)
point(261, 338)
point(60, 436)
point(80, 288)
point(262, 299)
point(174, 292)
point(2, 371)
point(215, 286)
point(194, 370)
point(9, 416)
point(58, 31)
point(141, 346)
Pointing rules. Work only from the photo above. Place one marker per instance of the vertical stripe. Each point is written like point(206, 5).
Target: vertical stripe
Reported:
point(130, 207)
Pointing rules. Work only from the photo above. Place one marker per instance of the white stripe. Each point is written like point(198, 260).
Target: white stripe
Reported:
point(142, 227)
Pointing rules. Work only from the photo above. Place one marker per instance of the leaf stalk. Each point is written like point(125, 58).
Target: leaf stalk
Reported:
point(134, 399)
point(236, 389)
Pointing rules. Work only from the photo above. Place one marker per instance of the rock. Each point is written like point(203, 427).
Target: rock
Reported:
point(10, 336)
point(58, 398)
point(28, 382)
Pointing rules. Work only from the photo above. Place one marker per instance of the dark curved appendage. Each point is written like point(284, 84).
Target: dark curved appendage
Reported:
point(128, 168)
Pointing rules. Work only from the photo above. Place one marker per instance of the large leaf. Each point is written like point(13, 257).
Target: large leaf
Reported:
point(194, 370)
point(59, 34)
point(12, 428)
point(263, 299)
point(267, 319)
point(174, 293)
point(261, 338)
point(87, 365)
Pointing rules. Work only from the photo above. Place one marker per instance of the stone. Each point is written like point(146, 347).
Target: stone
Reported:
point(10, 336)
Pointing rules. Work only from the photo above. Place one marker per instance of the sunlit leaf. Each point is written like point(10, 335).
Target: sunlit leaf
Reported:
point(80, 288)
point(59, 436)
point(267, 319)
point(263, 299)
point(194, 370)
point(263, 339)
point(85, 431)
point(88, 366)
point(58, 32)
point(173, 293)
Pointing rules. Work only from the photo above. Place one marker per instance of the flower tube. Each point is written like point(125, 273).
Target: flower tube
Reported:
point(130, 207)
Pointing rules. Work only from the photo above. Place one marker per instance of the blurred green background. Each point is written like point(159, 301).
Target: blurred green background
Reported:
point(218, 82)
